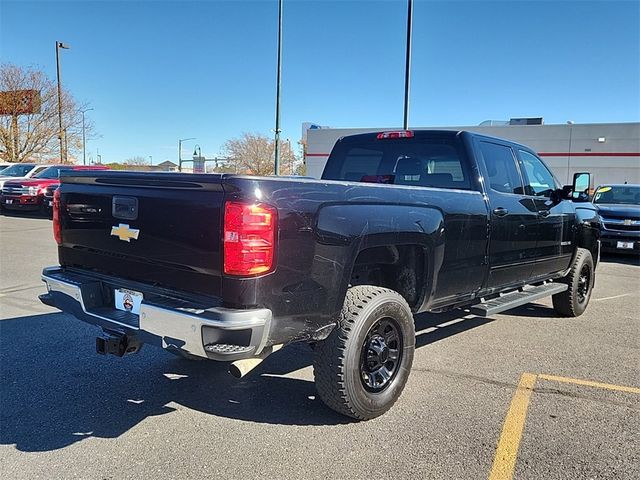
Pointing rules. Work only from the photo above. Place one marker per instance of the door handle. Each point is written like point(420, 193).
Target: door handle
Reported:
point(500, 211)
point(544, 213)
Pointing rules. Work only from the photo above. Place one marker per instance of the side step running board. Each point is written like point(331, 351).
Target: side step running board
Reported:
point(516, 299)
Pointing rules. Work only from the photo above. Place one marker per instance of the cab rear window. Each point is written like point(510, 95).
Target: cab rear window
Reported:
point(420, 162)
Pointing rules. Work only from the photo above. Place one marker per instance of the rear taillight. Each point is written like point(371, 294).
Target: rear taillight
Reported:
point(249, 238)
point(398, 134)
point(57, 234)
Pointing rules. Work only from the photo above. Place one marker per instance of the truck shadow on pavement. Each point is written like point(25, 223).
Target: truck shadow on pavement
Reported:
point(57, 391)
point(621, 258)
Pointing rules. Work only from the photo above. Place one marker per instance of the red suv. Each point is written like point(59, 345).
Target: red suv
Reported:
point(29, 193)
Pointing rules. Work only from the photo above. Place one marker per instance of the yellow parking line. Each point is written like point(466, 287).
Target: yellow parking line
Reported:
point(589, 383)
point(507, 451)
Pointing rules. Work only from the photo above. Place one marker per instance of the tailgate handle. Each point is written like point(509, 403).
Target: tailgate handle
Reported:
point(125, 208)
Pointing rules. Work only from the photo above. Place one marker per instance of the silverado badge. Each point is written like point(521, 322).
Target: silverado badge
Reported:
point(124, 232)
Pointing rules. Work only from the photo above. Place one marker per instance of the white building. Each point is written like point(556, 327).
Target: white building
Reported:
point(609, 151)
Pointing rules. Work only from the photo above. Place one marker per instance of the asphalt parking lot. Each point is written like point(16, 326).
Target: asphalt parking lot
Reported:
point(66, 412)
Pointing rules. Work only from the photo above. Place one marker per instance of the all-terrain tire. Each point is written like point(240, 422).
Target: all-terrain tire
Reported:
point(573, 301)
point(341, 361)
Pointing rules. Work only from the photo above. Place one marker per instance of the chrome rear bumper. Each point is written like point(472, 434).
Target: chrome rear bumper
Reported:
point(212, 332)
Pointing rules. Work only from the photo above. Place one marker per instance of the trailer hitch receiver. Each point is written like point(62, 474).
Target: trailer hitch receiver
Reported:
point(116, 344)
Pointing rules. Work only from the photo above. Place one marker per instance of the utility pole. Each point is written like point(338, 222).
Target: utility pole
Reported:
point(278, 85)
point(407, 68)
point(63, 153)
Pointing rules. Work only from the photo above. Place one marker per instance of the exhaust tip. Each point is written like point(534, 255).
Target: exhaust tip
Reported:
point(235, 371)
point(242, 367)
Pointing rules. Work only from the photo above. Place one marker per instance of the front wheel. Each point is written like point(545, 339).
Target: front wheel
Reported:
point(361, 369)
point(573, 301)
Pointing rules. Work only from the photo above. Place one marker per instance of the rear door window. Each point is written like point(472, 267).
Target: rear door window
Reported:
point(502, 170)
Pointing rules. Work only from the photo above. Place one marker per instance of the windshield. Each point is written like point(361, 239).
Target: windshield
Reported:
point(51, 172)
point(621, 195)
point(17, 170)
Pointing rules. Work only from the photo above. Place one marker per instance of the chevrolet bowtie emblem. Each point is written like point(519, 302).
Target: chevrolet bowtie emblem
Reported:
point(125, 233)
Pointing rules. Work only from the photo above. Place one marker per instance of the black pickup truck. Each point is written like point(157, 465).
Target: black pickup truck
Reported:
point(231, 267)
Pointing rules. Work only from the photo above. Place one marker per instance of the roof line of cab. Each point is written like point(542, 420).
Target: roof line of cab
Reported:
point(417, 133)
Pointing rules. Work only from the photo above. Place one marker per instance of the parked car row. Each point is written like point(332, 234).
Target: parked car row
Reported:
point(619, 210)
point(20, 170)
point(30, 187)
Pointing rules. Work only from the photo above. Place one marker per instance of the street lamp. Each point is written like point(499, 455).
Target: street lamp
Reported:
point(63, 153)
point(199, 164)
point(180, 151)
point(151, 160)
point(84, 150)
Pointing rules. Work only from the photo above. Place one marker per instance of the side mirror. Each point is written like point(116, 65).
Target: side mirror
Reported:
point(566, 192)
point(580, 187)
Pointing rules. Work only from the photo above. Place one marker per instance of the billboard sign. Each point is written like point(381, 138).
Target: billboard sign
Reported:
point(20, 102)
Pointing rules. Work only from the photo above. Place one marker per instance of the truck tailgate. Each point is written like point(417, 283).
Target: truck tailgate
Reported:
point(160, 229)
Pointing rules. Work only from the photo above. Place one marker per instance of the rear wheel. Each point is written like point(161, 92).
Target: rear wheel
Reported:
point(573, 301)
point(362, 367)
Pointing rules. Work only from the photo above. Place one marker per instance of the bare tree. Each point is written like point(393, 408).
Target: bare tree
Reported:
point(137, 160)
point(253, 154)
point(25, 136)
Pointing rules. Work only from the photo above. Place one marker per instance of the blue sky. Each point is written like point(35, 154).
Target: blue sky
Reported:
point(156, 71)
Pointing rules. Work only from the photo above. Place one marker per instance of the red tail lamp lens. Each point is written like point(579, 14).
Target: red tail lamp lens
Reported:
point(249, 238)
point(57, 233)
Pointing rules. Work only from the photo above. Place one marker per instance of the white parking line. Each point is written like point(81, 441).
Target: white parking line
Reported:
point(611, 298)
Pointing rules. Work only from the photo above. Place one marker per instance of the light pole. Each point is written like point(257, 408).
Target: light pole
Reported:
point(63, 153)
point(278, 85)
point(84, 150)
point(180, 151)
point(151, 160)
point(570, 123)
point(407, 66)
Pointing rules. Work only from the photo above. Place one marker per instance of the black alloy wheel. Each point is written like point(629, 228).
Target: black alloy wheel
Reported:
point(362, 367)
point(381, 355)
